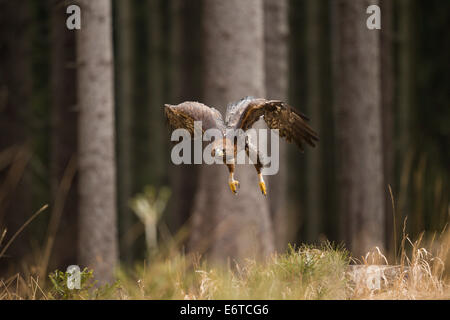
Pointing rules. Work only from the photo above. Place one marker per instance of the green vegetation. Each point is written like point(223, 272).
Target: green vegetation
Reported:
point(307, 272)
point(87, 290)
point(303, 273)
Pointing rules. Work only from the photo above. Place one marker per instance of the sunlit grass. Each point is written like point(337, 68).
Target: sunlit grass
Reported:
point(418, 270)
point(306, 272)
point(303, 273)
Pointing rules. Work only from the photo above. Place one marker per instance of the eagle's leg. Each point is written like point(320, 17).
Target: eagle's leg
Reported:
point(262, 184)
point(234, 184)
point(258, 165)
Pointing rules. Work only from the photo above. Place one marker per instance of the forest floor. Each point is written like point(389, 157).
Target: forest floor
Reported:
point(307, 272)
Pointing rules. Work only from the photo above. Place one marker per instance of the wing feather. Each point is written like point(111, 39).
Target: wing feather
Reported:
point(292, 124)
point(184, 114)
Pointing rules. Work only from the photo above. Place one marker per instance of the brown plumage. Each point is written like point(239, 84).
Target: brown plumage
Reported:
point(184, 114)
point(292, 124)
point(278, 115)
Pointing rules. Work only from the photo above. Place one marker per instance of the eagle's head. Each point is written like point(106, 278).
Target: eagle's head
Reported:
point(223, 149)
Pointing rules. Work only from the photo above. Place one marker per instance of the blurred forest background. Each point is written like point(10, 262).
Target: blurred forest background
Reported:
point(82, 127)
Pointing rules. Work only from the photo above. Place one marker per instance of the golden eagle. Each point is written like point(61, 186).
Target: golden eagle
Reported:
point(242, 115)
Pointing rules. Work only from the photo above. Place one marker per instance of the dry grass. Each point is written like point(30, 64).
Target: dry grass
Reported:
point(421, 273)
point(418, 271)
point(323, 272)
point(304, 273)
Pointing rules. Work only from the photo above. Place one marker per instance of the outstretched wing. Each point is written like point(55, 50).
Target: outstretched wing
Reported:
point(292, 124)
point(184, 114)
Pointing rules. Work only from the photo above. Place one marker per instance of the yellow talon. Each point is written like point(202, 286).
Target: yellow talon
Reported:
point(234, 185)
point(262, 186)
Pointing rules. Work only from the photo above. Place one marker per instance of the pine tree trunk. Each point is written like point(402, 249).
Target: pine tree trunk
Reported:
point(406, 104)
point(387, 105)
point(63, 136)
point(358, 127)
point(226, 225)
point(276, 34)
point(313, 107)
point(186, 81)
point(156, 71)
point(97, 180)
point(125, 84)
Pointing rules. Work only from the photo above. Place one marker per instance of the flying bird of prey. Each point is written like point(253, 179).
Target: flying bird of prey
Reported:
point(292, 126)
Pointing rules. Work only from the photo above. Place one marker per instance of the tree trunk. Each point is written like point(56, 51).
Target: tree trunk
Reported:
point(125, 84)
point(313, 107)
point(296, 179)
point(226, 225)
point(159, 156)
point(358, 127)
point(63, 136)
point(97, 180)
point(387, 111)
point(405, 104)
point(186, 81)
point(276, 34)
